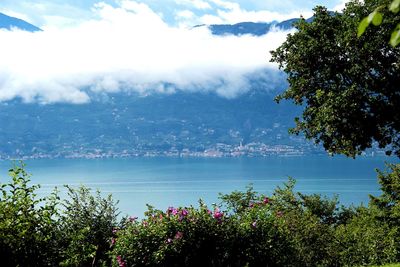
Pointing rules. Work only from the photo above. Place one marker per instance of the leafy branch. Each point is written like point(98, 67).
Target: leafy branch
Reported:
point(376, 18)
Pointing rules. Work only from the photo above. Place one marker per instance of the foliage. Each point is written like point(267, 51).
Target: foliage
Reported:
point(237, 201)
point(365, 240)
point(87, 223)
point(50, 232)
point(285, 229)
point(388, 203)
point(28, 225)
point(376, 18)
point(347, 85)
point(201, 237)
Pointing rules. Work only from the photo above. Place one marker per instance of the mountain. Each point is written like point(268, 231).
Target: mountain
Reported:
point(7, 22)
point(193, 124)
point(252, 28)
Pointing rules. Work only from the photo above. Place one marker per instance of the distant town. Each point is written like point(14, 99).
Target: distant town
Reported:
point(220, 150)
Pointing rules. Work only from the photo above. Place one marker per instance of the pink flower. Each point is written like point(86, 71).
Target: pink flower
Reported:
point(251, 205)
point(145, 223)
point(113, 240)
point(175, 212)
point(254, 224)
point(266, 200)
point(218, 214)
point(121, 262)
point(169, 241)
point(178, 235)
point(184, 212)
point(172, 210)
point(114, 231)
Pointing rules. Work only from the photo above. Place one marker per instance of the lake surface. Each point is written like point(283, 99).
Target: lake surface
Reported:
point(164, 182)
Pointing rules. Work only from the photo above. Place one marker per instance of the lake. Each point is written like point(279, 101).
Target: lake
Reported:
point(164, 182)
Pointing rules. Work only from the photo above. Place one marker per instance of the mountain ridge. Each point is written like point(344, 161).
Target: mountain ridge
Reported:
point(9, 23)
point(252, 28)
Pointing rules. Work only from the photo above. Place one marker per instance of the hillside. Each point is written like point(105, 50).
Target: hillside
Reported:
point(9, 23)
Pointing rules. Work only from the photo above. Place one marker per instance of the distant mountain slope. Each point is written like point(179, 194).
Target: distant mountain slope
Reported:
point(253, 28)
point(7, 22)
point(157, 124)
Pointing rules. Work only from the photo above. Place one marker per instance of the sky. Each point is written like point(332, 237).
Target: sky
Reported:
point(144, 46)
point(62, 13)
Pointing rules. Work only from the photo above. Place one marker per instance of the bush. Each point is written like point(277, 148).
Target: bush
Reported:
point(203, 237)
point(28, 225)
point(287, 229)
point(87, 223)
point(366, 241)
point(50, 232)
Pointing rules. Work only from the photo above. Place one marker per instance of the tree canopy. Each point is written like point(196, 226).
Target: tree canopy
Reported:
point(348, 85)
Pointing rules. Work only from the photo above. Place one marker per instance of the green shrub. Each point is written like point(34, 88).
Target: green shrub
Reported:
point(287, 229)
point(365, 241)
point(50, 232)
point(202, 237)
point(87, 223)
point(29, 230)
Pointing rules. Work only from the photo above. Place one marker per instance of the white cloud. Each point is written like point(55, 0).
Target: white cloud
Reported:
point(14, 14)
point(238, 15)
point(185, 14)
point(128, 48)
point(339, 7)
point(199, 4)
point(231, 12)
point(226, 4)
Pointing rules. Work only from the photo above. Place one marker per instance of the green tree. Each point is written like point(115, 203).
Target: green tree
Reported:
point(347, 85)
point(389, 202)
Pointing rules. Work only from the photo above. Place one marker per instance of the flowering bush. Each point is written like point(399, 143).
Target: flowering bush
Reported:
point(249, 229)
point(204, 237)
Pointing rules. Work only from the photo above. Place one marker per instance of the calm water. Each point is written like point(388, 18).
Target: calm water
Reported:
point(165, 182)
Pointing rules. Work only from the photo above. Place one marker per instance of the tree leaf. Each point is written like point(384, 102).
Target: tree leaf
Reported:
point(395, 38)
point(395, 6)
point(377, 18)
point(363, 26)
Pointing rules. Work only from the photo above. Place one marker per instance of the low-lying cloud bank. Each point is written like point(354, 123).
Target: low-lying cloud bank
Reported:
point(129, 48)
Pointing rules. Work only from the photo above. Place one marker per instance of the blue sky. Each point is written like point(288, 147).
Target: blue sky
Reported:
point(69, 12)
